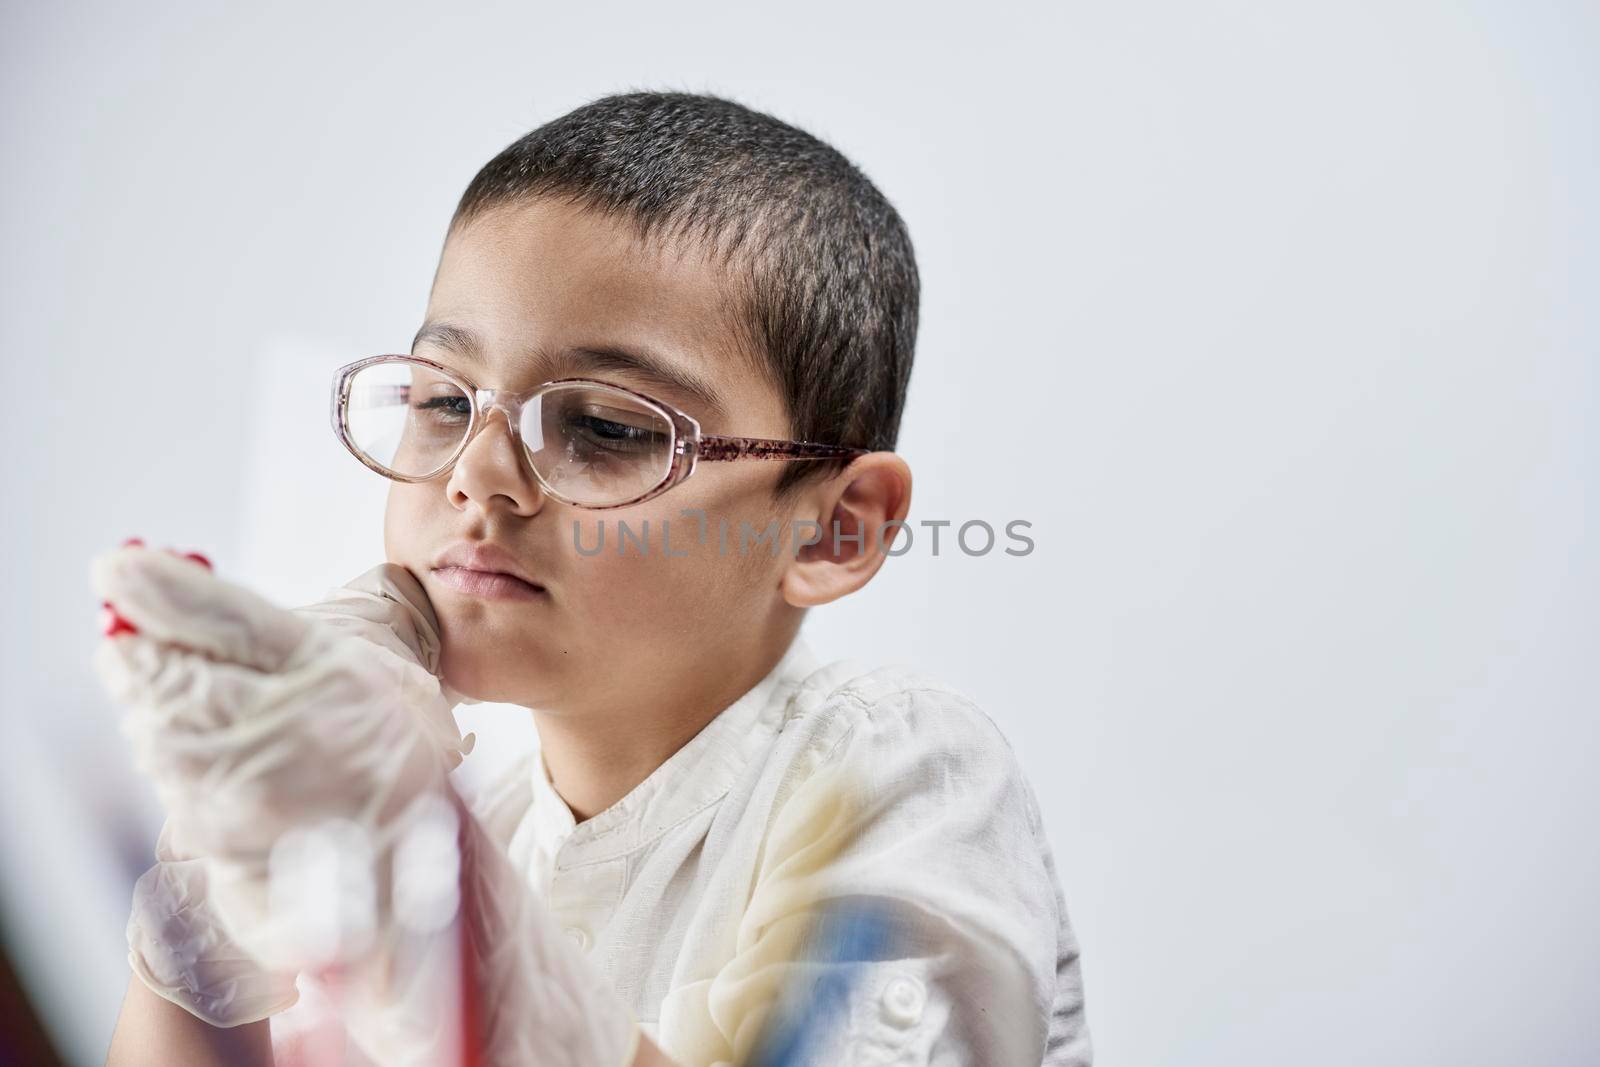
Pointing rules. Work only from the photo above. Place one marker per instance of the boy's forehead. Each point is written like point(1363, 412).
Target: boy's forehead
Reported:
point(540, 283)
point(552, 269)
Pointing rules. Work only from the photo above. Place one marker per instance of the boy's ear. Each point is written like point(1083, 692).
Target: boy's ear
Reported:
point(873, 490)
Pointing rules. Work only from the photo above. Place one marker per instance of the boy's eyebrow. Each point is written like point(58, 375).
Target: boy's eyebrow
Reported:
point(642, 364)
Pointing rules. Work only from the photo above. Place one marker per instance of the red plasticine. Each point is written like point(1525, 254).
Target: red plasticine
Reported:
point(112, 624)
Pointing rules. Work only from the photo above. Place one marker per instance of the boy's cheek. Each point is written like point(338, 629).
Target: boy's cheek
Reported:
point(407, 520)
point(402, 523)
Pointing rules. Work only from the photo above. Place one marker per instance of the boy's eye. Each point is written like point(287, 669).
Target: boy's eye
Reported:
point(597, 432)
point(447, 405)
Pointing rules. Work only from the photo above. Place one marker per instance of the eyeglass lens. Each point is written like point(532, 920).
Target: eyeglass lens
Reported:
point(591, 445)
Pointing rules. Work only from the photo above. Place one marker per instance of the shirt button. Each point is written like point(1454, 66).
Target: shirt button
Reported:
point(580, 937)
point(903, 999)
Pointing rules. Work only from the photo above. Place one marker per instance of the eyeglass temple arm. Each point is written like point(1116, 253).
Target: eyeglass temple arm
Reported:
point(715, 447)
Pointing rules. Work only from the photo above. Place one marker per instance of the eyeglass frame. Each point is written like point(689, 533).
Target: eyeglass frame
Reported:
point(688, 447)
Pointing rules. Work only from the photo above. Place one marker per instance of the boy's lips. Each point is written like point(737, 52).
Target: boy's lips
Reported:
point(492, 585)
point(487, 570)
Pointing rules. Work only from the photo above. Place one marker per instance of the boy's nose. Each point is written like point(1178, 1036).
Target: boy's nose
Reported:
point(492, 466)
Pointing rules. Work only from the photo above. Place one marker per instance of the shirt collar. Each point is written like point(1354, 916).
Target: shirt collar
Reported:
point(693, 778)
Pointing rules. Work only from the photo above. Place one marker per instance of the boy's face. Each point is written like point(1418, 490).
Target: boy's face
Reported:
point(532, 284)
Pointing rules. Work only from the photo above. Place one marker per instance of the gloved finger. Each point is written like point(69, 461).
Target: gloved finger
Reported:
point(167, 689)
point(138, 671)
point(208, 734)
point(176, 601)
point(185, 711)
point(387, 606)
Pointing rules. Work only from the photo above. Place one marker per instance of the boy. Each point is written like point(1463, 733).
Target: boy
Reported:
point(624, 296)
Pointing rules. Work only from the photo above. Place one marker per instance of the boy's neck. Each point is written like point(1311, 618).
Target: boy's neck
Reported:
point(595, 763)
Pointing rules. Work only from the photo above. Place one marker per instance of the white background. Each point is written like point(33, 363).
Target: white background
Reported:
point(1278, 322)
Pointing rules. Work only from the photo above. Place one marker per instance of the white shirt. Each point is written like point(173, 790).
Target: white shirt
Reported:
point(821, 785)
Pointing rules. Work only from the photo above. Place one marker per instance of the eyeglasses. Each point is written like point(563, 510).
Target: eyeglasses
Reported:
point(589, 443)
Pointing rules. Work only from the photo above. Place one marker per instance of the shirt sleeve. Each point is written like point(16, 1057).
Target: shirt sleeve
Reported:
point(920, 812)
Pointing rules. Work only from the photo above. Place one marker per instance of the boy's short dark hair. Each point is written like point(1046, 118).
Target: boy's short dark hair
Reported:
point(827, 282)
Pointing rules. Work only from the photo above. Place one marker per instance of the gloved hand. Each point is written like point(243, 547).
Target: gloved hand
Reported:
point(274, 735)
point(179, 948)
point(178, 945)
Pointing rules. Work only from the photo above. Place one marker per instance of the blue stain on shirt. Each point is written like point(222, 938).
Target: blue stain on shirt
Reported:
point(847, 936)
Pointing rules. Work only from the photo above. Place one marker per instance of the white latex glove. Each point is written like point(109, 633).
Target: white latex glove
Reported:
point(177, 944)
point(179, 948)
point(262, 726)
